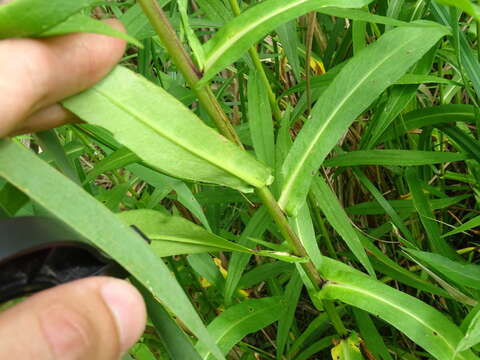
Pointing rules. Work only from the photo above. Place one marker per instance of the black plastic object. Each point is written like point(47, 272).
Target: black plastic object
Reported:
point(37, 253)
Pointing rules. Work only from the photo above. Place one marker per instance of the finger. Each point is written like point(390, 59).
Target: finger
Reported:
point(44, 119)
point(96, 318)
point(38, 73)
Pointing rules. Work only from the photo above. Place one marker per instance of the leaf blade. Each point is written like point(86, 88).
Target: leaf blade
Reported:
point(382, 64)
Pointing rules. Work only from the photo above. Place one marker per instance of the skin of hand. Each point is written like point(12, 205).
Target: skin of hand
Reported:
point(96, 318)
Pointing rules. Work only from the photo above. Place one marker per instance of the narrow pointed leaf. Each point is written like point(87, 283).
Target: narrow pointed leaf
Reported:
point(240, 320)
point(420, 322)
point(85, 24)
point(89, 218)
point(472, 337)
point(234, 39)
point(327, 201)
point(23, 18)
point(174, 235)
point(357, 85)
point(164, 133)
point(394, 158)
point(260, 120)
point(164, 229)
point(467, 275)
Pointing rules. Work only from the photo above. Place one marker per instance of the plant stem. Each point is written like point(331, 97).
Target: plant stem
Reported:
point(184, 63)
point(277, 114)
point(287, 232)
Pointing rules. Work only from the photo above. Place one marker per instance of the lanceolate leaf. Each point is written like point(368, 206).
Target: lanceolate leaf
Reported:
point(164, 133)
point(431, 116)
point(423, 324)
point(174, 235)
point(472, 337)
point(89, 218)
point(326, 200)
point(83, 23)
point(22, 18)
point(394, 158)
point(467, 275)
point(165, 230)
point(357, 85)
point(234, 39)
point(240, 320)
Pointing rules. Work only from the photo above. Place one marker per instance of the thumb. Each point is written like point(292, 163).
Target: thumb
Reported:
point(96, 318)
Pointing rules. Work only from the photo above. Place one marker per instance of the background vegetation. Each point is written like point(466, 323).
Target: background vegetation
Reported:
point(339, 218)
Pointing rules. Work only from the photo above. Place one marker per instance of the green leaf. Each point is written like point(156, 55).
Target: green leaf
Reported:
point(93, 221)
point(240, 320)
point(119, 158)
point(255, 227)
point(288, 36)
point(139, 115)
point(260, 120)
point(467, 275)
point(170, 233)
point(174, 235)
point(348, 349)
point(472, 337)
point(11, 199)
point(357, 85)
point(216, 10)
point(426, 215)
point(176, 342)
point(394, 158)
point(423, 324)
point(431, 116)
point(370, 335)
point(473, 223)
point(85, 24)
point(327, 201)
point(404, 206)
point(465, 5)
point(291, 297)
point(236, 37)
point(193, 41)
point(137, 24)
point(24, 18)
point(360, 15)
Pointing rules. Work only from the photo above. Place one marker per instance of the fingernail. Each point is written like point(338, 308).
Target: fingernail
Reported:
point(128, 310)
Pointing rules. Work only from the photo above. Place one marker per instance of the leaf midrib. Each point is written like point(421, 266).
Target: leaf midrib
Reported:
point(306, 154)
point(172, 140)
point(401, 309)
point(212, 58)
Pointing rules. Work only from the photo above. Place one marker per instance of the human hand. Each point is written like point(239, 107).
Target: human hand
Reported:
point(90, 319)
point(97, 318)
point(37, 73)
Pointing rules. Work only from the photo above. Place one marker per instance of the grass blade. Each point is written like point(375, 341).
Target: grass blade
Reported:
point(427, 217)
point(360, 82)
point(236, 37)
point(394, 158)
point(326, 200)
point(260, 120)
point(467, 275)
point(420, 322)
point(240, 320)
